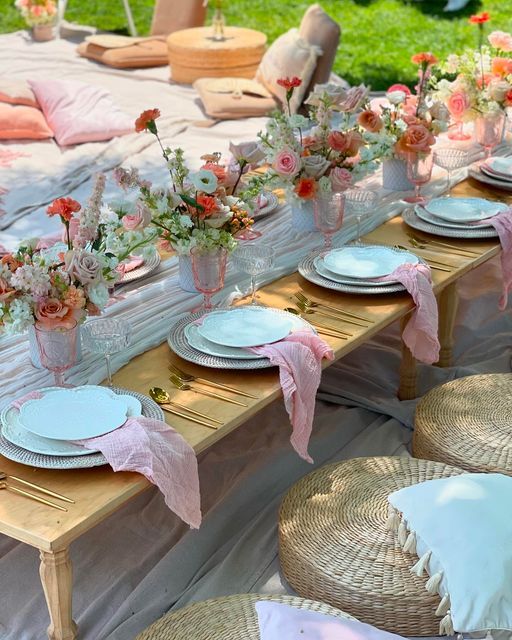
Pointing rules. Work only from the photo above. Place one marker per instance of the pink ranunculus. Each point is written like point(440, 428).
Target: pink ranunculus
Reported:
point(52, 313)
point(286, 163)
point(501, 40)
point(138, 220)
point(341, 179)
point(458, 103)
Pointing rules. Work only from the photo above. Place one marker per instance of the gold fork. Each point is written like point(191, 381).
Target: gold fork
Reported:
point(306, 302)
point(313, 303)
point(182, 386)
point(188, 377)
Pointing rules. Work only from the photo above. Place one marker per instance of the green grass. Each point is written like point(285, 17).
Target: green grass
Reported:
point(379, 36)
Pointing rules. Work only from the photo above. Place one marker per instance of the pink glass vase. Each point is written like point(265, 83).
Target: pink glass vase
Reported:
point(57, 348)
point(457, 132)
point(489, 131)
point(419, 172)
point(328, 211)
point(209, 269)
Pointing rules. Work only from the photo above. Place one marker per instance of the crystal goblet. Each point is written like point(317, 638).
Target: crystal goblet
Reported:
point(449, 159)
point(209, 270)
point(57, 348)
point(359, 202)
point(253, 259)
point(107, 336)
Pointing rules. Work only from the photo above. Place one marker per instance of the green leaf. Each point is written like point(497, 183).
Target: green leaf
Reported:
point(192, 202)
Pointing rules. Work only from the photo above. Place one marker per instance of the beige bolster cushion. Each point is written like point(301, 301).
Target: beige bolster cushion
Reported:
point(220, 104)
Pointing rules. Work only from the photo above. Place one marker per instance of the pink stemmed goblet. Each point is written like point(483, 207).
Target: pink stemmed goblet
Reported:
point(457, 131)
point(359, 202)
point(328, 210)
point(419, 172)
point(57, 348)
point(209, 269)
point(489, 131)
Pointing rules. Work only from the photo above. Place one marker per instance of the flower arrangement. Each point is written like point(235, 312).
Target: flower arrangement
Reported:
point(477, 82)
point(199, 209)
point(311, 155)
point(37, 12)
point(63, 284)
point(407, 122)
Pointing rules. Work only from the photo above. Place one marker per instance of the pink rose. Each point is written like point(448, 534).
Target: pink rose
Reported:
point(83, 266)
point(338, 141)
point(458, 103)
point(138, 220)
point(341, 179)
point(52, 313)
point(286, 163)
point(416, 139)
point(501, 40)
point(370, 121)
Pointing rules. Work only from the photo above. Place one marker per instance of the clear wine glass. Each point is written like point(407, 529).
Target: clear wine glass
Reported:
point(419, 172)
point(107, 336)
point(253, 259)
point(449, 159)
point(209, 270)
point(57, 348)
point(328, 210)
point(360, 202)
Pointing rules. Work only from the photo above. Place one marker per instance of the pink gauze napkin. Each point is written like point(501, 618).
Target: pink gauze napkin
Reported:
point(299, 358)
point(155, 450)
point(420, 334)
point(503, 225)
point(129, 265)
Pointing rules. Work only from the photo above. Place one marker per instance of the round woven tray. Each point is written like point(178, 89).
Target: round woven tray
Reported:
point(229, 618)
point(468, 423)
point(334, 545)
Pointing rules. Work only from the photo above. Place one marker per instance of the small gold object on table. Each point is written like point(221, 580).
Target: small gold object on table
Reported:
point(198, 53)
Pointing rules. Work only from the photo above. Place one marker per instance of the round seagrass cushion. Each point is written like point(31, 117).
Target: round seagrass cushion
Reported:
point(229, 618)
point(468, 423)
point(334, 545)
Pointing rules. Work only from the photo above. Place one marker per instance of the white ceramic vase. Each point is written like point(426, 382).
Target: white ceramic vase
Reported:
point(34, 350)
point(186, 275)
point(394, 175)
point(303, 218)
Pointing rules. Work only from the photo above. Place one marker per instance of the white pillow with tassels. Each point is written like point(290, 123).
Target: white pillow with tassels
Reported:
point(461, 530)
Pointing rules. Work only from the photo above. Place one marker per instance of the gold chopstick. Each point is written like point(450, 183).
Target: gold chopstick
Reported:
point(21, 492)
point(347, 313)
point(219, 385)
point(42, 489)
point(187, 417)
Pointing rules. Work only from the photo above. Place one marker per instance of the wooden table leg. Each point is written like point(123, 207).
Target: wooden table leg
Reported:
point(448, 303)
point(56, 577)
point(407, 388)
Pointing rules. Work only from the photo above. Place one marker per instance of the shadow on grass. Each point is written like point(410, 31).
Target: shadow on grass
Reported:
point(435, 7)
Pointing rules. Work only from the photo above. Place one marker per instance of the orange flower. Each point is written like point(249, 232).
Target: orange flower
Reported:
point(74, 298)
point(209, 204)
point(10, 261)
point(217, 169)
point(146, 121)
point(424, 58)
point(508, 99)
point(306, 188)
point(502, 66)
point(416, 139)
point(289, 83)
point(480, 18)
point(370, 121)
point(64, 207)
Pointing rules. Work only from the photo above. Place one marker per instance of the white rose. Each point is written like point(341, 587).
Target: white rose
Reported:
point(315, 166)
point(248, 152)
point(396, 97)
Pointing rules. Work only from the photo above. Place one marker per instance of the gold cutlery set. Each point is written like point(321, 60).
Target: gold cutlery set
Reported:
point(6, 484)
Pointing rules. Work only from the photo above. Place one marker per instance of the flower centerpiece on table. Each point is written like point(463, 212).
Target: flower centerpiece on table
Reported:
point(319, 154)
point(197, 209)
point(477, 83)
point(62, 284)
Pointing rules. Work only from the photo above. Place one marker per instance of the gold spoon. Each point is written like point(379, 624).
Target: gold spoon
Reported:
point(161, 397)
point(322, 328)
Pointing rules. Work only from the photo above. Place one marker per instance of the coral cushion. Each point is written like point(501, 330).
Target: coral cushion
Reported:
point(17, 92)
point(78, 112)
point(18, 122)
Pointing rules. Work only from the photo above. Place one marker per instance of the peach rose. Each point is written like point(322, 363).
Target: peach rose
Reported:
point(337, 141)
point(53, 313)
point(286, 163)
point(6, 291)
point(341, 179)
point(501, 40)
point(370, 121)
point(416, 139)
point(354, 143)
point(458, 103)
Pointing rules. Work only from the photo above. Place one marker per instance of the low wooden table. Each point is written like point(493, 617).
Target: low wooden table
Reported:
point(194, 54)
point(99, 492)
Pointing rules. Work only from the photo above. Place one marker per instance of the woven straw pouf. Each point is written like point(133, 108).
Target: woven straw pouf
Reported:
point(468, 423)
point(334, 545)
point(229, 618)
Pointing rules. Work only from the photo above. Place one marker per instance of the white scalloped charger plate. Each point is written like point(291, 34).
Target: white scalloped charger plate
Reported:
point(73, 414)
point(368, 261)
point(244, 327)
point(464, 209)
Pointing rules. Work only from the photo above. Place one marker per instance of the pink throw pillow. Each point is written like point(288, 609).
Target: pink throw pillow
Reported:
point(279, 621)
point(78, 112)
point(18, 122)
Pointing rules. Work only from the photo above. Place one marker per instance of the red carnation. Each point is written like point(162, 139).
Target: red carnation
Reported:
point(289, 83)
point(480, 18)
point(64, 207)
point(146, 121)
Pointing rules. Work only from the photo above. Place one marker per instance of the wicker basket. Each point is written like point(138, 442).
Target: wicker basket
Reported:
point(334, 545)
point(229, 618)
point(468, 423)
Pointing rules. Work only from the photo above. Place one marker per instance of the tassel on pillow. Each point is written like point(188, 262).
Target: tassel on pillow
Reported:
point(402, 534)
point(410, 543)
point(433, 582)
point(446, 626)
point(444, 606)
point(419, 568)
